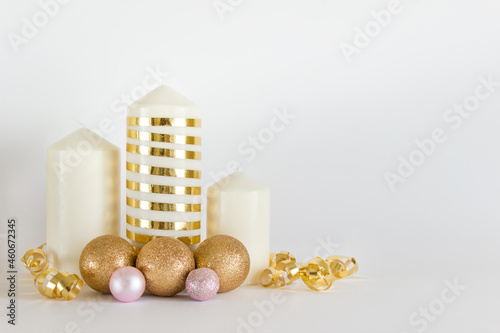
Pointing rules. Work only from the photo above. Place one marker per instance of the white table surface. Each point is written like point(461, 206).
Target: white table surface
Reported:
point(383, 296)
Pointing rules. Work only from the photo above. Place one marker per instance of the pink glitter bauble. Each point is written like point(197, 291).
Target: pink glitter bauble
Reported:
point(127, 284)
point(202, 284)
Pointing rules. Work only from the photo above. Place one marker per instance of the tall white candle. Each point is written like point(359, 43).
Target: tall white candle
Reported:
point(238, 206)
point(83, 195)
point(163, 168)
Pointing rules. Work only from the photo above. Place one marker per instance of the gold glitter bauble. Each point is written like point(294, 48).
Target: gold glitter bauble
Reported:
point(228, 257)
point(101, 257)
point(165, 263)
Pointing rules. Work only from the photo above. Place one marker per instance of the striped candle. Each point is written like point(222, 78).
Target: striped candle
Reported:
point(163, 168)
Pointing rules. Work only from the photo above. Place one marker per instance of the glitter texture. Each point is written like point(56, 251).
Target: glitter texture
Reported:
point(202, 284)
point(101, 257)
point(228, 257)
point(165, 263)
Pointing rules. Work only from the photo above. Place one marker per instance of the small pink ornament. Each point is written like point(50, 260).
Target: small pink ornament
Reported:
point(202, 284)
point(127, 284)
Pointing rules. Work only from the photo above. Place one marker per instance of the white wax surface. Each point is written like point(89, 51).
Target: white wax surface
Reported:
point(164, 102)
point(83, 195)
point(239, 206)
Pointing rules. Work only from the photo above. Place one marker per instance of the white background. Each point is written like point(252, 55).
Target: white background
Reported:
point(326, 169)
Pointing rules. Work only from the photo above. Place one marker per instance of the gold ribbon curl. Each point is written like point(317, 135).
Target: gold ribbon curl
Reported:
point(318, 274)
point(48, 281)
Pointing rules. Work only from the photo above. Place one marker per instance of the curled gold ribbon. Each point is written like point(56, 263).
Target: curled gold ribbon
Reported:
point(35, 260)
point(48, 281)
point(318, 274)
point(54, 284)
point(283, 270)
point(341, 269)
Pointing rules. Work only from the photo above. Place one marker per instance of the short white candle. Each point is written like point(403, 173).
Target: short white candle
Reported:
point(163, 168)
point(83, 195)
point(238, 206)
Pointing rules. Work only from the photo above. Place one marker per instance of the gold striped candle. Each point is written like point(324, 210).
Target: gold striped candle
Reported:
point(163, 168)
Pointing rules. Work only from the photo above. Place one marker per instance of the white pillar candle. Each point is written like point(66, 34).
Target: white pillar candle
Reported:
point(83, 195)
point(238, 206)
point(163, 168)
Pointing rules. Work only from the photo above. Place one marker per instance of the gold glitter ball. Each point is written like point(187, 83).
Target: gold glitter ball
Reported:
point(165, 263)
point(228, 257)
point(101, 257)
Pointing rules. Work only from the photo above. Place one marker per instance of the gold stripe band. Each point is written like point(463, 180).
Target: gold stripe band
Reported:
point(163, 189)
point(146, 238)
point(159, 137)
point(159, 225)
point(165, 207)
point(159, 171)
point(144, 150)
point(177, 122)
